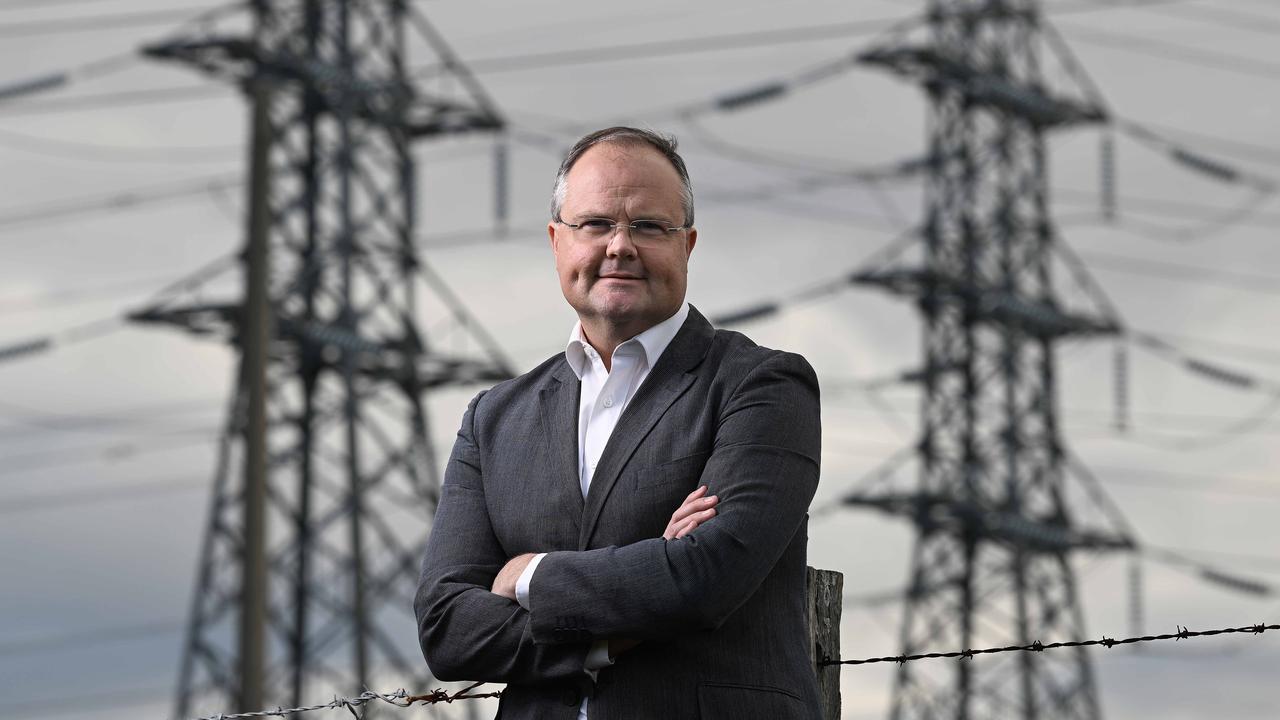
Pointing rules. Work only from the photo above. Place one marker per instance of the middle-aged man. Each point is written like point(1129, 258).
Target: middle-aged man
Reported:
point(556, 563)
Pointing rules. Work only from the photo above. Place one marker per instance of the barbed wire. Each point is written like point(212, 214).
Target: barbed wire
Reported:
point(1037, 646)
point(399, 698)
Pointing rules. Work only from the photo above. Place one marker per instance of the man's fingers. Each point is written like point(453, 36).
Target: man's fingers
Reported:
point(692, 506)
point(686, 529)
point(694, 522)
point(680, 528)
point(694, 495)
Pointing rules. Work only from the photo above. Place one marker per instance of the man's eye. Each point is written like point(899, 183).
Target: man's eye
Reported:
point(652, 228)
point(596, 225)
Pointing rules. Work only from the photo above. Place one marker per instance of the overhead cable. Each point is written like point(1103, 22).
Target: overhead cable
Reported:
point(1167, 50)
point(169, 155)
point(1222, 17)
point(59, 501)
point(117, 201)
point(1193, 159)
point(125, 98)
point(98, 23)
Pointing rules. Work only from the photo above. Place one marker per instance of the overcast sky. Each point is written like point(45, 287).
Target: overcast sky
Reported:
point(1191, 259)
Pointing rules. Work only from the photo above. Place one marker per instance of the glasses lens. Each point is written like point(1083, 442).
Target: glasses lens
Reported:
point(595, 228)
point(649, 230)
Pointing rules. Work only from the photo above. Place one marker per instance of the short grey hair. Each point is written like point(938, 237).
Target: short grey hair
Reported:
point(665, 144)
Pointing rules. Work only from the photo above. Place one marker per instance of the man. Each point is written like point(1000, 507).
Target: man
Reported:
point(556, 563)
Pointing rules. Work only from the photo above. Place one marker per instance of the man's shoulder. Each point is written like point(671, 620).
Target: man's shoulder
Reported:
point(527, 385)
point(733, 355)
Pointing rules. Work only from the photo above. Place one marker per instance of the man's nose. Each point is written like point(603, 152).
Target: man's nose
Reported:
point(620, 244)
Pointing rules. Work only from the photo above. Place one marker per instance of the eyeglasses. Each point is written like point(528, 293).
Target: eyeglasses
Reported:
point(643, 232)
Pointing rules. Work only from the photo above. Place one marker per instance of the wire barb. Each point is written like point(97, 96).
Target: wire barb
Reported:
point(354, 705)
point(1037, 646)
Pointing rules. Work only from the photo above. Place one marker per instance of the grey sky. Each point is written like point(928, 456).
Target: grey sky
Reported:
point(1206, 68)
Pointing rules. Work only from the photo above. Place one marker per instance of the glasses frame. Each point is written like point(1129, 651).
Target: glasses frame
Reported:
point(614, 225)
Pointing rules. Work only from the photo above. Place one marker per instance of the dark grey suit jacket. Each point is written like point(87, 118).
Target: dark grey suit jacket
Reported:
point(720, 612)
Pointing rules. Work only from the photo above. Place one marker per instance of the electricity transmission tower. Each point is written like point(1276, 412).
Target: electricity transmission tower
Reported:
point(326, 481)
point(996, 528)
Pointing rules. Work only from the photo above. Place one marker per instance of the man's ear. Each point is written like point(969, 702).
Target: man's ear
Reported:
point(693, 240)
point(551, 236)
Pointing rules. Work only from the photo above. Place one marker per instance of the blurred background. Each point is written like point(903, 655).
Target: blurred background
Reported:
point(126, 203)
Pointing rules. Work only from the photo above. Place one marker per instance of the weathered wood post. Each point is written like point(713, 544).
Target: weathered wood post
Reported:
point(824, 590)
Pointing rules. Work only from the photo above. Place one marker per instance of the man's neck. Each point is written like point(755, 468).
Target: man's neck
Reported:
point(606, 339)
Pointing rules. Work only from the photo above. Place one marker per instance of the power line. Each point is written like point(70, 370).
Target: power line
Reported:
point(1207, 370)
point(1244, 150)
point(97, 328)
point(709, 43)
point(1087, 420)
point(1194, 160)
point(1194, 482)
point(103, 699)
point(127, 98)
point(1200, 275)
point(107, 423)
point(86, 638)
point(176, 154)
point(1167, 50)
point(59, 501)
point(73, 296)
point(70, 336)
point(57, 79)
point(1241, 350)
point(1269, 562)
point(121, 413)
point(128, 199)
point(1236, 19)
point(716, 43)
point(669, 48)
point(97, 23)
point(11, 4)
point(1188, 210)
point(45, 459)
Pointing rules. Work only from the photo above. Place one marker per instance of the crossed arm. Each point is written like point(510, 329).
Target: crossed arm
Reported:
point(763, 471)
point(697, 508)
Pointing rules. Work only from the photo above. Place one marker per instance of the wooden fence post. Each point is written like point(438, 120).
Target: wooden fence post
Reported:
point(824, 590)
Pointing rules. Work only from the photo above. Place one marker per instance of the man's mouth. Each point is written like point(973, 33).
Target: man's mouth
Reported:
point(620, 276)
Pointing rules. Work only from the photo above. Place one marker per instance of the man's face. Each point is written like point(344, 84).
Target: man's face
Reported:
point(614, 283)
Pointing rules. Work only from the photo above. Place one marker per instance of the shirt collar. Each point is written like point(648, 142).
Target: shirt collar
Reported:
point(653, 341)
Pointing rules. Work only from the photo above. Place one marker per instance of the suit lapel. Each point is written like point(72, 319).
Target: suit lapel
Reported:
point(559, 398)
point(667, 381)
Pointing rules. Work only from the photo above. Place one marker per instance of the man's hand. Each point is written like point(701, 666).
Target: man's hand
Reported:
point(694, 511)
point(505, 583)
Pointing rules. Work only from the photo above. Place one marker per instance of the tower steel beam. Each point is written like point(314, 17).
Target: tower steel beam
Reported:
point(995, 531)
point(351, 478)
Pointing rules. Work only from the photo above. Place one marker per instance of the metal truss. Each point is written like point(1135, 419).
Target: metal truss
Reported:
point(991, 564)
point(353, 479)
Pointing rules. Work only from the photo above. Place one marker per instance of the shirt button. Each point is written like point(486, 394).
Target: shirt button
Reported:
point(608, 401)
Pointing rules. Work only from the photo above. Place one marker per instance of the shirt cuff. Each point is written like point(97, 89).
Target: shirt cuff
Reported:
point(598, 657)
point(522, 583)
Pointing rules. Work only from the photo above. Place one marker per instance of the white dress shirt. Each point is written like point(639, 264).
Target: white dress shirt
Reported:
point(605, 394)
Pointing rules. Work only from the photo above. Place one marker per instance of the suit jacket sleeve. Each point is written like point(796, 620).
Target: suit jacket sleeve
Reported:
point(466, 631)
point(764, 468)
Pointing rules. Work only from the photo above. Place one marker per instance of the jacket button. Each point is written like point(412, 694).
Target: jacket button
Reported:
point(572, 697)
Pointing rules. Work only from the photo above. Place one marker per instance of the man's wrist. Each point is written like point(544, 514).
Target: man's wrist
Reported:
point(598, 657)
point(522, 583)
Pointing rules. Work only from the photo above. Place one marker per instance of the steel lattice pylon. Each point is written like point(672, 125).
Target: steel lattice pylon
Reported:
point(352, 477)
point(991, 563)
